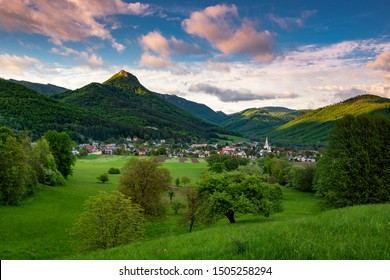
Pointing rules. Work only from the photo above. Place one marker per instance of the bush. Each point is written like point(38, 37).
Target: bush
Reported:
point(103, 178)
point(114, 170)
point(109, 220)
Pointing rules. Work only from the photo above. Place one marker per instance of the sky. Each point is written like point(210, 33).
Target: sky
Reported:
point(300, 54)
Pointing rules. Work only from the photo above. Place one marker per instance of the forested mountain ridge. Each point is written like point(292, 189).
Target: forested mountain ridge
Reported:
point(199, 110)
point(128, 81)
point(41, 88)
point(25, 109)
point(123, 99)
point(312, 129)
point(256, 123)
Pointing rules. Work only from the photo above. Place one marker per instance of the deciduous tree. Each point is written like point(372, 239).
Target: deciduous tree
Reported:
point(61, 147)
point(355, 168)
point(43, 162)
point(236, 192)
point(13, 170)
point(145, 181)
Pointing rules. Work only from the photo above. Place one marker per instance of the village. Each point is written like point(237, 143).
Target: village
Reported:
point(138, 147)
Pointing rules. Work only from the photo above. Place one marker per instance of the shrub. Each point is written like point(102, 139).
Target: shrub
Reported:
point(109, 220)
point(103, 178)
point(114, 170)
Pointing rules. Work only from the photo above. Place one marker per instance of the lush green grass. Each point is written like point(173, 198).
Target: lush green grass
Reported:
point(37, 229)
point(360, 232)
point(187, 168)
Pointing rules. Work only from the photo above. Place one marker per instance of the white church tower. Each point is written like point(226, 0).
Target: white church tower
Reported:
point(267, 147)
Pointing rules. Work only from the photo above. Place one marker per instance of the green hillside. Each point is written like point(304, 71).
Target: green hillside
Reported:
point(24, 109)
point(41, 88)
point(331, 235)
point(199, 110)
point(257, 123)
point(312, 129)
point(127, 81)
point(123, 99)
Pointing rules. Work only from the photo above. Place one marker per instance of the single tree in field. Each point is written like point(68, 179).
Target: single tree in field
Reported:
point(144, 181)
point(109, 220)
point(61, 147)
point(192, 214)
point(355, 168)
point(228, 193)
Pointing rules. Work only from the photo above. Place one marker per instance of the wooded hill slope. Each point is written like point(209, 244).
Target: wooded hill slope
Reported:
point(124, 100)
point(312, 129)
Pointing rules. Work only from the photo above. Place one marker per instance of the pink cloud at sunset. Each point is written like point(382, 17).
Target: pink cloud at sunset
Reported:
point(218, 25)
point(158, 49)
point(77, 20)
point(382, 62)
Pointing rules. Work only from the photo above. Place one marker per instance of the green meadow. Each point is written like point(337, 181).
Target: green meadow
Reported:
point(38, 228)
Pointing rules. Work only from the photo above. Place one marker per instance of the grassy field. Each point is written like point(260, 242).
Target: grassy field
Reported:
point(37, 229)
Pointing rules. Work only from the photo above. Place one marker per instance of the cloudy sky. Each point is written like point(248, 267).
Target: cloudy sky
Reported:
point(228, 55)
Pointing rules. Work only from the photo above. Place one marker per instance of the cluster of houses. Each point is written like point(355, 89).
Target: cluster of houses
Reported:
point(138, 147)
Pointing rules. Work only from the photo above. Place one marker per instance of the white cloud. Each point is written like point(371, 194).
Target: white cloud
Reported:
point(33, 70)
point(15, 65)
point(90, 58)
point(236, 95)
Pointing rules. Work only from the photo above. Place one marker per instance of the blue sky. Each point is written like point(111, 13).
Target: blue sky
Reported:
point(227, 55)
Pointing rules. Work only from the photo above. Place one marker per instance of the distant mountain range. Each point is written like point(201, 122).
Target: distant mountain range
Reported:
point(122, 106)
point(41, 88)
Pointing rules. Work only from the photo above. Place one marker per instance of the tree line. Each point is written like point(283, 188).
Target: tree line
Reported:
point(23, 165)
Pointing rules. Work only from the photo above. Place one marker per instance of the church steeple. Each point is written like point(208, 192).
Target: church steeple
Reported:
point(266, 145)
